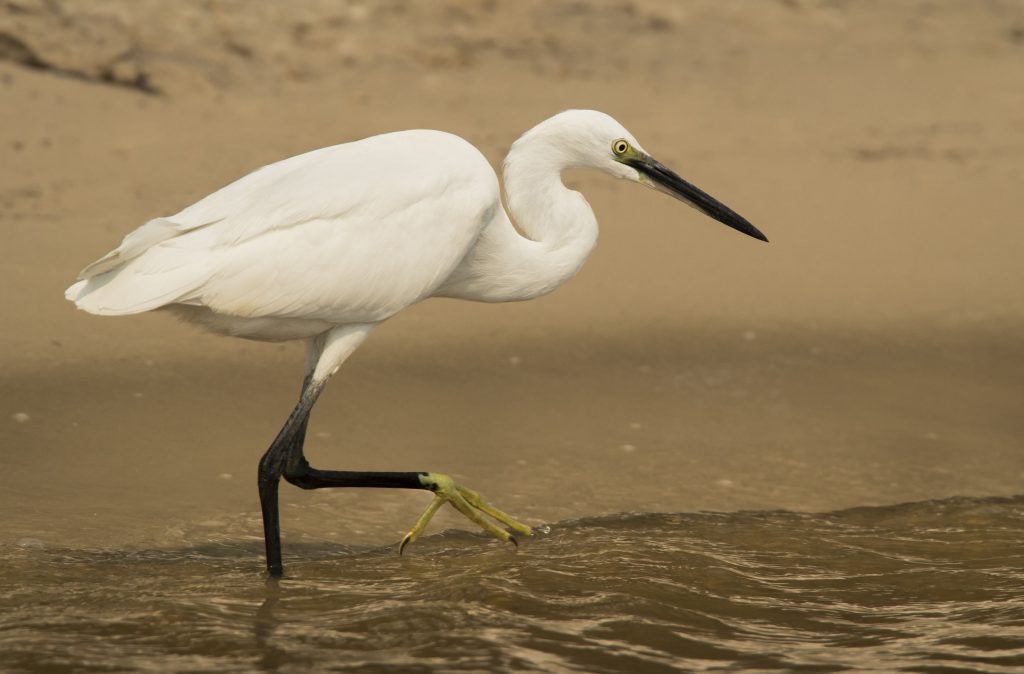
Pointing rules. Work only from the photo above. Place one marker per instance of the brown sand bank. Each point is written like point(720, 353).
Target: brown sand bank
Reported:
point(871, 353)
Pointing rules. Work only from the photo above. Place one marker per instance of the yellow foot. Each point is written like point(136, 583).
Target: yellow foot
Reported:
point(467, 502)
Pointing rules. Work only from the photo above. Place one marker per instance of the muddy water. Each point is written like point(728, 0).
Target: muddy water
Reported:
point(931, 586)
point(717, 500)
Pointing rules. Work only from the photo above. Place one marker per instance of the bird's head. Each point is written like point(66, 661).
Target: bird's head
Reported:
point(591, 139)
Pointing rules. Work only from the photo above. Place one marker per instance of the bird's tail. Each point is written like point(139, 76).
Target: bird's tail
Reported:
point(139, 275)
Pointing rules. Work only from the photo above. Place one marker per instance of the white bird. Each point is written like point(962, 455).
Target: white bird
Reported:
point(326, 245)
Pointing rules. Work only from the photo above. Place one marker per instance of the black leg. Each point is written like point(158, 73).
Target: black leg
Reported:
point(308, 477)
point(285, 458)
point(271, 523)
point(272, 466)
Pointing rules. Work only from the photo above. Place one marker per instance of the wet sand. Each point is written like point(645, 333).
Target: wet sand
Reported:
point(871, 354)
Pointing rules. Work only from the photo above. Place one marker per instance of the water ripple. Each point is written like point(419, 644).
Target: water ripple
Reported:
point(923, 587)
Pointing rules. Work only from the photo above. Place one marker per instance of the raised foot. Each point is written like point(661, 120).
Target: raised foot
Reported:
point(467, 502)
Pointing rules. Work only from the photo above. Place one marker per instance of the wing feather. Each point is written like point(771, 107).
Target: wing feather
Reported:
point(341, 233)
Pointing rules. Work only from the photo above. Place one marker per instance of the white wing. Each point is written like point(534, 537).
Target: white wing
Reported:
point(353, 232)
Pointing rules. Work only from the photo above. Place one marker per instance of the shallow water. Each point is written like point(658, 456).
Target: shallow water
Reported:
point(929, 586)
point(132, 541)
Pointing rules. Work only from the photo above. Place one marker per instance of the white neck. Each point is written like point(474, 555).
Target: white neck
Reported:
point(559, 225)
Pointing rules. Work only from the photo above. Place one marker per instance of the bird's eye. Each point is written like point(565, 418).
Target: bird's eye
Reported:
point(620, 146)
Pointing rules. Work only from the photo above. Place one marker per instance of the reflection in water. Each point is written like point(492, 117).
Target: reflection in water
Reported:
point(271, 658)
point(925, 585)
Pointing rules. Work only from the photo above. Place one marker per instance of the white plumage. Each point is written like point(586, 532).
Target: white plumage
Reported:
point(345, 234)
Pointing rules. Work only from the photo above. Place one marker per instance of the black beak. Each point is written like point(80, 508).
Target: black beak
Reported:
point(665, 180)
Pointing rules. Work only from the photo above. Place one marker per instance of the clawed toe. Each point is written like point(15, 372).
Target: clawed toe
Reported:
point(467, 502)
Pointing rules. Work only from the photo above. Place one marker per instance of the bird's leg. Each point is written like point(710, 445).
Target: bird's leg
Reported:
point(285, 458)
point(272, 467)
point(466, 501)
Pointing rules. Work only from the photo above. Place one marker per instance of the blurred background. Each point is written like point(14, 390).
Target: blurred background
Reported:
point(870, 354)
point(774, 402)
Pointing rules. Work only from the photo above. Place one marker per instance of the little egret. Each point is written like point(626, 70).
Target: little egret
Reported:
point(326, 245)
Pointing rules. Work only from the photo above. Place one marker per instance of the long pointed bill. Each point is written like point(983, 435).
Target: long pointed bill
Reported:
point(664, 179)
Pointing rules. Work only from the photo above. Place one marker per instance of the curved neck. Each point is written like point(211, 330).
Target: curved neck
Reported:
point(559, 226)
point(545, 210)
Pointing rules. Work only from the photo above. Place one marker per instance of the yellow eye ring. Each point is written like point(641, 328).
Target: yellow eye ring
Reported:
point(620, 146)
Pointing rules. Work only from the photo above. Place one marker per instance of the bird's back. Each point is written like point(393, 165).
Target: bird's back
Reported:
point(349, 233)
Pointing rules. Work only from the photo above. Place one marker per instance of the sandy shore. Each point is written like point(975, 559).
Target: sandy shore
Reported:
point(871, 353)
